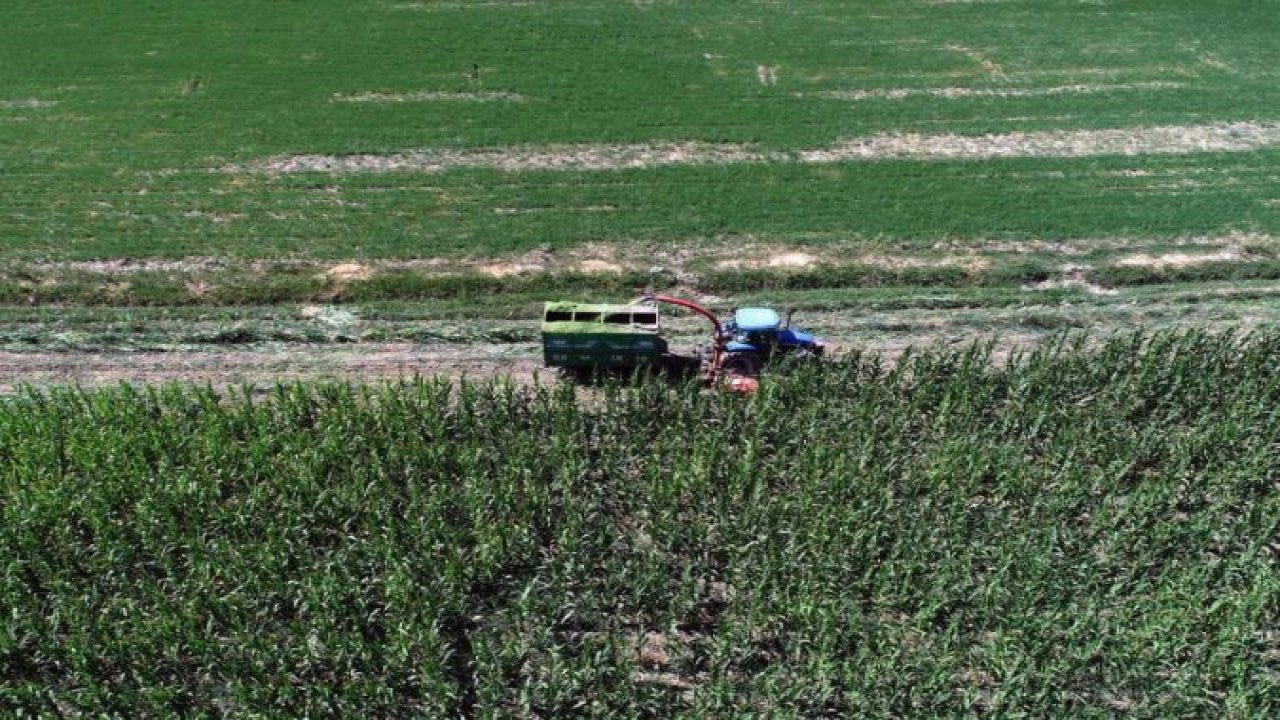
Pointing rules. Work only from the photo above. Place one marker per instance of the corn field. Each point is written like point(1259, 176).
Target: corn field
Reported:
point(1083, 530)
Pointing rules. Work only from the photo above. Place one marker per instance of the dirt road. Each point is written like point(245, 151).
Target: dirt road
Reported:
point(355, 363)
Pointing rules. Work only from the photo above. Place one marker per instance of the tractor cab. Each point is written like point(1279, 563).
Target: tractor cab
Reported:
point(756, 335)
point(753, 330)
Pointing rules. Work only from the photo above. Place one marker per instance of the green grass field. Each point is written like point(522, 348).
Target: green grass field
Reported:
point(232, 154)
point(117, 122)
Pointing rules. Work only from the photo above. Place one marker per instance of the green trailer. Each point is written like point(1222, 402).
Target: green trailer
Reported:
point(587, 337)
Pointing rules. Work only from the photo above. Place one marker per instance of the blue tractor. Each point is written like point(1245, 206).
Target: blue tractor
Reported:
point(590, 338)
point(755, 336)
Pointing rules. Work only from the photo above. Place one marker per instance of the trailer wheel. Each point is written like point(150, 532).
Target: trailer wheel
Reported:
point(576, 374)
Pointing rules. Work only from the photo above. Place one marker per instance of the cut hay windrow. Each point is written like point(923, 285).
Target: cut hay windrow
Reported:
point(26, 104)
point(1138, 141)
point(963, 93)
point(431, 96)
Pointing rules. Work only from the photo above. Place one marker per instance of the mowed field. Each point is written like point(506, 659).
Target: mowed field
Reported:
point(218, 177)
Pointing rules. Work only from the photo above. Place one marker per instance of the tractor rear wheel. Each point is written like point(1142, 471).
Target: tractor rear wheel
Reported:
point(746, 364)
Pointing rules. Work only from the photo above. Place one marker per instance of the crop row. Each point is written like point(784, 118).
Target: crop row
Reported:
point(1081, 529)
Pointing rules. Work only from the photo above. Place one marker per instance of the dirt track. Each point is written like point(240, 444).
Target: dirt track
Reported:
point(357, 363)
point(375, 362)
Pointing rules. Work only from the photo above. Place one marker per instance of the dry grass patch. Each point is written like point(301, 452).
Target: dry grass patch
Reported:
point(961, 93)
point(460, 5)
point(770, 258)
point(573, 158)
point(1164, 140)
point(1084, 246)
point(497, 96)
point(784, 258)
point(767, 74)
point(26, 104)
point(671, 681)
point(685, 261)
point(348, 272)
point(128, 266)
point(1019, 247)
point(508, 269)
point(969, 263)
point(197, 289)
point(1181, 259)
point(596, 266)
point(217, 218)
point(534, 261)
point(989, 66)
point(1073, 276)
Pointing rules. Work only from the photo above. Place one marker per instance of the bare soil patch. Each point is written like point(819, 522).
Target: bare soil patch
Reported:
point(363, 363)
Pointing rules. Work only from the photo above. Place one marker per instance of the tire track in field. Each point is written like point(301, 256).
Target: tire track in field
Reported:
point(590, 157)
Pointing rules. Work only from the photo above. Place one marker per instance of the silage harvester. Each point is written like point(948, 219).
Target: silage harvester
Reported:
point(591, 339)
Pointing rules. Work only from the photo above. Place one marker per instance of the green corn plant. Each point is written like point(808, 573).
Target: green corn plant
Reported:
point(1086, 528)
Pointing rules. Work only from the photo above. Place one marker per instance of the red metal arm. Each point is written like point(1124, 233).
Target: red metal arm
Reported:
point(715, 321)
point(712, 370)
